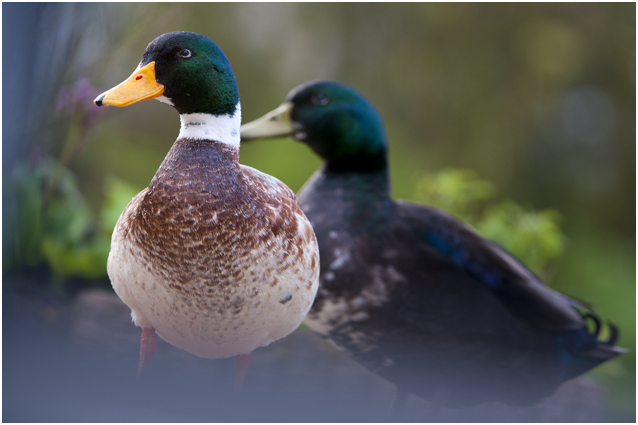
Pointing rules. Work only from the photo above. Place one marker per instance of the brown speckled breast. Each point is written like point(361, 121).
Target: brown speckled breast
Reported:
point(216, 256)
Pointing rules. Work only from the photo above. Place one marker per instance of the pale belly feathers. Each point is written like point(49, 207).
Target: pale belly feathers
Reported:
point(214, 301)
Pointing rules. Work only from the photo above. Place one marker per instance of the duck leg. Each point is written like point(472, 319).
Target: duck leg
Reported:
point(148, 344)
point(241, 366)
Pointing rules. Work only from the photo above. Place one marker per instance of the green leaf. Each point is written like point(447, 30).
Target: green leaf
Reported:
point(454, 190)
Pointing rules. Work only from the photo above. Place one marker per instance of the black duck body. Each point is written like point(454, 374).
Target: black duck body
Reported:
point(409, 312)
point(411, 292)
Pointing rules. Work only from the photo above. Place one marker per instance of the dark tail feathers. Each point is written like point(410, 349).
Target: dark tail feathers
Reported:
point(583, 350)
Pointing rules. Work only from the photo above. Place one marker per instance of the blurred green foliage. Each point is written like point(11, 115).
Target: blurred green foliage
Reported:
point(23, 208)
point(82, 251)
point(534, 237)
point(457, 191)
point(55, 225)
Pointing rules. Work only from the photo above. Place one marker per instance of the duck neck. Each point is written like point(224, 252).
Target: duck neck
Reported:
point(372, 163)
point(373, 185)
point(356, 196)
point(220, 128)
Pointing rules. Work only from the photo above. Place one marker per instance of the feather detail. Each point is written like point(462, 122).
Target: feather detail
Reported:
point(206, 252)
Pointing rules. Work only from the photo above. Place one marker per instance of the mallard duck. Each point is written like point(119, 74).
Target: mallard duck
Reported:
point(214, 256)
point(411, 292)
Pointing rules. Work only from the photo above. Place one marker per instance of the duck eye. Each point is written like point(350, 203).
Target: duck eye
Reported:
point(185, 53)
point(319, 99)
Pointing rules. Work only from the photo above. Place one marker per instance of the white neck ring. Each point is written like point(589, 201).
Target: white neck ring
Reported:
point(219, 128)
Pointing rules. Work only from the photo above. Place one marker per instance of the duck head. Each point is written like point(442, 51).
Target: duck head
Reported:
point(187, 70)
point(191, 73)
point(334, 120)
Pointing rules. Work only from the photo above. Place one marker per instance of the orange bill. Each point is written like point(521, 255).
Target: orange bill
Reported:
point(141, 85)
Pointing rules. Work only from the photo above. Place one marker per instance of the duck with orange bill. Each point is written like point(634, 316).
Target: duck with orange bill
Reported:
point(215, 257)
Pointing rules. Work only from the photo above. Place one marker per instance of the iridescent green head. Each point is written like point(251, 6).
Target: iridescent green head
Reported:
point(184, 69)
point(335, 120)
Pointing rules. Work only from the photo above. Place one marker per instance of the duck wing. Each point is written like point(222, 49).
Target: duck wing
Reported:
point(491, 265)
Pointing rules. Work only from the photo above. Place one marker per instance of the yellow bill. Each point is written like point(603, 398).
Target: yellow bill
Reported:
point(141, 85)
point(277, 123)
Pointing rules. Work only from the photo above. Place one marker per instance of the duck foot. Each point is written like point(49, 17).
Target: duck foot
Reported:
point(241, 367)
point(148, 344)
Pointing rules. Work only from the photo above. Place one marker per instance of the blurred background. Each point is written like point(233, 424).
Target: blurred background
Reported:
point(520, 118)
